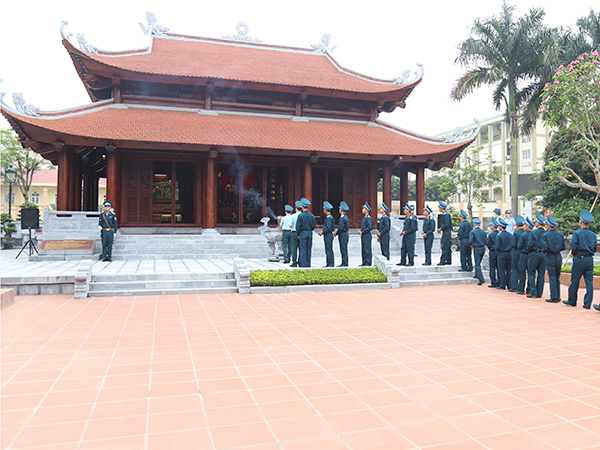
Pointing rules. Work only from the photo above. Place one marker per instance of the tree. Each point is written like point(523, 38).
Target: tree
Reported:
point(439, 187)
point(24, 160)
point(512, 54)
point(589, 29)
point(572, 103)
point(471, 179)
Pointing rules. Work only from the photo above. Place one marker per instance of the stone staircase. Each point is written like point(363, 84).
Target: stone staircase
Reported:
point(433, 275)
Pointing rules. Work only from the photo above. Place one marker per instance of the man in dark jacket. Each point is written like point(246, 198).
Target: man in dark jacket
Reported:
point(305, 226)
point(366, 238)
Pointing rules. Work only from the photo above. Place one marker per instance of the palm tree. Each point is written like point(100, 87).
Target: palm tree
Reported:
point(589, 28)
point(516, 55)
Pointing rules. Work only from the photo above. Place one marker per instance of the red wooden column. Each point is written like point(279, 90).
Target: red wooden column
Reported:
point(308, 181)
point(211, 189)
point(62, 202)
point(112, 177)
point(403, 189)
point(372, 191)
point(420, 189)
point(387, 184)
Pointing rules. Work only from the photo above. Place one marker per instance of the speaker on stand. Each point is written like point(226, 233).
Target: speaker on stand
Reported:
point(30, 219)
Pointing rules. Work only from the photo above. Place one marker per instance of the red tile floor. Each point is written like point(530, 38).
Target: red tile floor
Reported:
point(457, 367)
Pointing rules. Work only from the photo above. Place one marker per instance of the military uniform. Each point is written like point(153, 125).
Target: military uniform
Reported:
point(553, 243)
point(478, 239)
point(294, 240)
point(366, 238)
point(464, 231)
point(342, 233)
point(428, 230)
point(327, 232)
point(108, 228)
point(503, 246)
point(305, 226)
point(516, 254)
point(493, 256)
point(384, 232)
point(446, 228)
point(583, 246)
point(409, 238)
point(523, 247)
point(535, 263)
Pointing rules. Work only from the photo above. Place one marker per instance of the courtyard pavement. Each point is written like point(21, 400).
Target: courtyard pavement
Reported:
point(443, 367)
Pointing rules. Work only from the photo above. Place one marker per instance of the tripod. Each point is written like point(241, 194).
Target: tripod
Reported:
point(29, 244)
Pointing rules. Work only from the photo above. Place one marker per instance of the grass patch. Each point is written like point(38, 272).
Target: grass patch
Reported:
point(567, 269)
point(315, 276)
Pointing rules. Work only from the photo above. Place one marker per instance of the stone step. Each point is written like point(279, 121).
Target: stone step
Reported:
point(122, 293)
point(436, 282)
point(150, 276)
point(170, 285)
point(435, 276)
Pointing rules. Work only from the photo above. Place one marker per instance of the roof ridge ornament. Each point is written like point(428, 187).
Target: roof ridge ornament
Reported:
point(84, 46)
point(64, 35)
point(404, 79)
point(153, 29)
point(459, 133)
point(242, 30)
point(19, 101)
point(323, 47)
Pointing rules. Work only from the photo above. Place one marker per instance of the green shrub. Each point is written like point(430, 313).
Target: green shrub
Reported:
point(567, 269)
point(316, 276)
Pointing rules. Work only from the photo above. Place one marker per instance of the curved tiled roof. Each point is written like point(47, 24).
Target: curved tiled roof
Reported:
point(121, 122)
point(182, 56)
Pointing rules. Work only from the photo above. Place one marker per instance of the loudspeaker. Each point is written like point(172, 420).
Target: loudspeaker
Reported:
point(30, 218)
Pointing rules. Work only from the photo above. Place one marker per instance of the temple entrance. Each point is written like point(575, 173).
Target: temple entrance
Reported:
point(246, 193)
point(328, 184)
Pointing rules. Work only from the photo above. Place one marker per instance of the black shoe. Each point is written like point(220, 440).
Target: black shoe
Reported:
point(501, 288)
point(294, 265)
point(343, 265)
point(401, 264)
point(426, 264)
point(480, 283)
point(568, 303)
point(462, 270)
point(512, 290)
point(409, 265)
point(530, 295)
point(553, 300)
point(597, 307)
point(286, 262)
point(586, 306)
point(492, 286)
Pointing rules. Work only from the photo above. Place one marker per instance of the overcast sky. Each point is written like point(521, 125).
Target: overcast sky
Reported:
point(377, 38)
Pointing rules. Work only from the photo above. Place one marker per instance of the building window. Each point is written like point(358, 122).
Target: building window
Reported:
point(497, 152)
point(526, 157)
point(35, 198)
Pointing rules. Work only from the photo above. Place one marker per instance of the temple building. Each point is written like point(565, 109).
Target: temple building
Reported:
point(212, 133)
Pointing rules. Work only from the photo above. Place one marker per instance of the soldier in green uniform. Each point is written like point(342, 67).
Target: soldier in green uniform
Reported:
point(365, 236)
point(327, 233)
point(108, 228)
point(342, 233)
point(553, 242)
point(583, 246)
point(383, 231)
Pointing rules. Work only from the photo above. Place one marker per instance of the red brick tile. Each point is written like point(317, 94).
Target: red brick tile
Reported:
point(421, 433)
point(300, 428)
point(178, 421)
point(351, 421)
point(115, 428)
point(241, 435)
point(406, 414)
point(125, 443)
point(56, 433)
point(383, 439)
point(196, 439)
point(236, 415)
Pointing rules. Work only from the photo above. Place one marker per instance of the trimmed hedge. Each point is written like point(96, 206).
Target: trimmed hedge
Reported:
point(567, 269)
point(315, 276)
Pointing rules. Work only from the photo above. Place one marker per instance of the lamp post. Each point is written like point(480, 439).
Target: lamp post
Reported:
point(10, 175)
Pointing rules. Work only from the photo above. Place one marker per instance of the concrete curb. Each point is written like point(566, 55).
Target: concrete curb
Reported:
point(318, 288)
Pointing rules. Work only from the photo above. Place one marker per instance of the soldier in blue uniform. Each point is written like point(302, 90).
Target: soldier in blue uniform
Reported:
point(305, 226)
point(366, 237)
point(327, 233)
point(464, 231)
point(523, 247)
point(491, 245)
point(446, 230)
point(536, 262)
point(510, 221)
point(503, 246)
point(428, 230)
point(108, 228)
point(342, 233)
point(286, 236)
point(478, 239)
point(583, 246)
point(295, 241)
point(516, 254)
point(553, 243)
point(383, 232)
point(409, 237)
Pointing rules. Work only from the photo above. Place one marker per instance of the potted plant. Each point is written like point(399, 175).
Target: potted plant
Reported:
point(8, 228)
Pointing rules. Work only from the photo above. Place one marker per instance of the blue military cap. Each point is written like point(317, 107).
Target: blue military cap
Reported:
point(384, 207)
point(366, 206)
point(344, 206)
point(442, 204)
point(497, 211)
point(586, 216)
point(520, 220)
point(502, 222)
point(529, 222)
point(410, 208)
point(495, 222)
point(298, 204)
point(476, 221)
point(288, 208)
point(328, 206)
point(463, 214)
point(508, 211)
point(540, 219)
point(107, 203)
point(552, 222)
point(428, 209)
point(305, 202)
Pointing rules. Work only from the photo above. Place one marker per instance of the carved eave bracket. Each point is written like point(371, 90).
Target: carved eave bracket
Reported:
point(458, 135)
point(242, 31)
point(406, 76)
point(323, 46)
point(153, 28)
